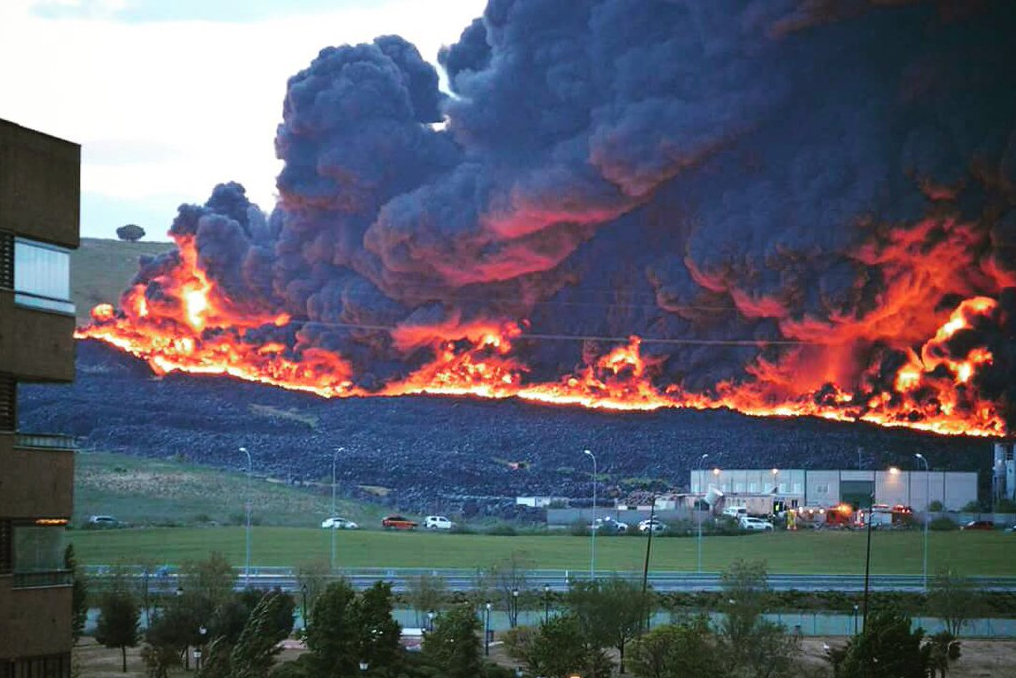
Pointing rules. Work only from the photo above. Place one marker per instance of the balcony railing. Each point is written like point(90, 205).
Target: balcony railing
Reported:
point(38, 580)
point(45, 441)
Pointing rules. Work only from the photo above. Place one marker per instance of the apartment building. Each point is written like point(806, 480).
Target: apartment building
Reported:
point(39, 205)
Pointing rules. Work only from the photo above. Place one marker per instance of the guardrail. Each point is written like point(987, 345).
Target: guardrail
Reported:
point(166, 579)
point(45, 441)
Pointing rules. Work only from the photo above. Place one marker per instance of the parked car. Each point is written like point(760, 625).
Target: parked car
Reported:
point(655, 526)
point(438, 523)
point(337, 523)
point(978, 525)
point(398, 523)
point(103, 521)
point(609, 525)
point(736, 512)
point(749, 523)
point(1011, 529)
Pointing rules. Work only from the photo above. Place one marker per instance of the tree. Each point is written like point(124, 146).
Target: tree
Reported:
point(255, 651)
point(426, 593)
point(611, 613)
point(118, 622)
point(379, 635)
point(130, 232)
point(687, 649)
point(212, 579)
point(943, 648)
point(753, 646)
point(333, 650)
point(312, 580)
point(887, 648)
point(509, 579)
point(953, 599)
point(557, 649)
point(454, 645)
point(79, 594)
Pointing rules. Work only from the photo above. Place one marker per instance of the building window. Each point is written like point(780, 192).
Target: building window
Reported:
point(782, 488)
point(822, 488)
point(53, 666)
point(797, 488)
point(42, 276)
point(38, 549)
point(5, 547)
point(6, 260)
point(738, 487)
point(753, 487)
point(8, 403)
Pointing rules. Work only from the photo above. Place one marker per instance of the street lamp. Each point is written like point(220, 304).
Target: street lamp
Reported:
point(546, 603)
point(198, 651)
point(855, 619)
point(592, 530)
point(486, 631)
point(250, 469)
point(364, 666)
point(515, 608)
point(303, 590)
point(927, 513)
point(430, 621)
point(335, 454)
point(698, 513)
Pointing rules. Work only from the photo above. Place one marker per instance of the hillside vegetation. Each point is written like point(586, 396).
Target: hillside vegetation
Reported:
point(101, 270)
point(166, 492)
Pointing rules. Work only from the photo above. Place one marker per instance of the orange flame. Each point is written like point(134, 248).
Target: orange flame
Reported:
point(191, 327)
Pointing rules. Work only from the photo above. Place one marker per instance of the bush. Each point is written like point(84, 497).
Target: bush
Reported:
point(942, 524)
point(502, 530)
point(578, 528)
point(935, 506)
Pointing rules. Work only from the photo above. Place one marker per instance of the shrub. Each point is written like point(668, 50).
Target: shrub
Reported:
point(942, 524)
point(578, 528)
point(502, 530)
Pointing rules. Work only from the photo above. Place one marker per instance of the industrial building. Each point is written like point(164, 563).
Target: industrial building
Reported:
point(1003, 472)
point(806, 487)
point(39, 226)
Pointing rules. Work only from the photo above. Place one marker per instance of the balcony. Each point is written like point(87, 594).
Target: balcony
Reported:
point(38, 475)
point(43, 441)
point(39, 580)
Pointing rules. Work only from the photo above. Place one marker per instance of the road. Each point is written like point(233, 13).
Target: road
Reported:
point(164, 580)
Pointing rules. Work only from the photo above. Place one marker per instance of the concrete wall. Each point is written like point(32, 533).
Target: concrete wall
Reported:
point(34, 621)
point(40, 185)
point(35, 345)
point(35, 483)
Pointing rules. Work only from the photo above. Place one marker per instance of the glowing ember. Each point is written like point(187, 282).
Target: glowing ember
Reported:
point(191, 328)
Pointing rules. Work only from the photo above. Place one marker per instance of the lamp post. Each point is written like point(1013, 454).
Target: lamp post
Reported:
point(515, 608)
point(250, 469)
point(486, 631)
point(698, 512)
point(430, 622)
point(335, 455)
point(303, 591)
point(867, 561)
point(649, 546)
point(592, 531)
point(855, 619)
point(364, 666)
point(927, 513)
point(546, 603)
point(199, 651)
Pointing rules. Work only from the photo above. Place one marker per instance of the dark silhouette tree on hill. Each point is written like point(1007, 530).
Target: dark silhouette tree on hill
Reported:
point(130, 233)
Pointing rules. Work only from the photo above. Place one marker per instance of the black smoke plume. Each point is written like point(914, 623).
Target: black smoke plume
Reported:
point(831, 174)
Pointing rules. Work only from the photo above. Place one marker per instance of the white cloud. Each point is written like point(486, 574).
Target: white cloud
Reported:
point(171, 108)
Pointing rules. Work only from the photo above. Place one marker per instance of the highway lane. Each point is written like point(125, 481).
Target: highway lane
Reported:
point(165, 579)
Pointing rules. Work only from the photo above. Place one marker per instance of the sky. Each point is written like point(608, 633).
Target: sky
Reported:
point(170, 97)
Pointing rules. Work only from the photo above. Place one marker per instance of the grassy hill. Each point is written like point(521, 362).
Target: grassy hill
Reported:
point(101, 269)
point(142, 491)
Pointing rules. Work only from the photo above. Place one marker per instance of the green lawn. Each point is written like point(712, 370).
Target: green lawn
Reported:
point(164, 492)
point(803, 552)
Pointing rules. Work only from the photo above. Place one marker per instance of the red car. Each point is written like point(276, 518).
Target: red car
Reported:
point(979, 525)
point(398, 523)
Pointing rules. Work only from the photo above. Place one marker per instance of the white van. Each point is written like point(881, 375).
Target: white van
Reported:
point(736, 512)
